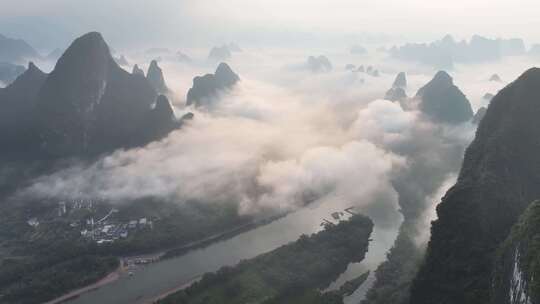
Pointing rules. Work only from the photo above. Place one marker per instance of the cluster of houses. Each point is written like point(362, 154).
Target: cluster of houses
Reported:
point(107, 231)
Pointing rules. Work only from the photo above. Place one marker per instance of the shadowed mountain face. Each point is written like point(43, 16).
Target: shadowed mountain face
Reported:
point(479, 115)
point(159, 122)
point(17, 115)
point(397, 92)
point(87, 105)
point(205, 88)
point(137, 71)
point(400, 81)
point(156, 79)
point(22, 92)
point(443, 102)
point(15, 50)
point(499, 178)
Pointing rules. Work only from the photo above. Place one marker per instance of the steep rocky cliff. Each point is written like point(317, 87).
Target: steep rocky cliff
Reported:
point(499, 178)
point(87, 105)
point(156, 78)
point(518, 262)
point(205, 88)
point(441, 100)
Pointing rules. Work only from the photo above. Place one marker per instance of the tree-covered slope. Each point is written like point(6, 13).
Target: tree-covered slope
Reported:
point(518, 261)
point(499, 178)
point(288, 272)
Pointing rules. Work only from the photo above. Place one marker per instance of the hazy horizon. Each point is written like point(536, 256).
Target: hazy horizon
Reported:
point(262, 22)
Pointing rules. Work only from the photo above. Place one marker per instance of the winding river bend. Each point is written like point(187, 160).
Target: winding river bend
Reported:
point(156, 279)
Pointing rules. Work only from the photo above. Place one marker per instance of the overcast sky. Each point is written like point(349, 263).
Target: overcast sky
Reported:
point(207, 21)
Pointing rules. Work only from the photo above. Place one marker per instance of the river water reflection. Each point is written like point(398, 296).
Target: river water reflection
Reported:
point(154, 279)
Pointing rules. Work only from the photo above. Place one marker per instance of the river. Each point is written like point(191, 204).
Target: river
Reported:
point(155, 279)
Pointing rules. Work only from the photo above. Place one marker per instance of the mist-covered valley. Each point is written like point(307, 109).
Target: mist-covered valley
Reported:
point(334, 168)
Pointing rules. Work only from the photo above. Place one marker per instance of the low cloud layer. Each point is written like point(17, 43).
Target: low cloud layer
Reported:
point(263, 147)
point(430, 213)
point(283, 138)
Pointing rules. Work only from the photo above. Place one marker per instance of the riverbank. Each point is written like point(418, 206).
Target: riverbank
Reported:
point(154, 279)
point(127, 262)
point(315, 261)
point(109, 278)
point(173, 290)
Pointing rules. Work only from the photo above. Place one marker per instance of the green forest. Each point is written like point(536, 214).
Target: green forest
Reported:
point(295, 271)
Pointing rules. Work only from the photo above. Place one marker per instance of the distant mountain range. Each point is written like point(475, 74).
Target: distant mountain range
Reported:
point(447, 51)
point(9, 72)
point(15, 50)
